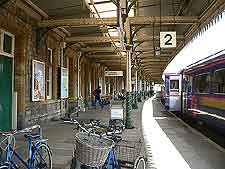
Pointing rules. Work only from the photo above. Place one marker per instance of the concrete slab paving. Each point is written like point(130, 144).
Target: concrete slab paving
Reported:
point(175, 145)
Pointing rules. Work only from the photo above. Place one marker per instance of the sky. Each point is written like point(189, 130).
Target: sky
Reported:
point(107, 10)
point(206, 44)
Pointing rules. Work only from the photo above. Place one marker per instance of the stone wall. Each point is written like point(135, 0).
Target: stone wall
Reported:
point(40, 113)
point(32, 43)
point(27, 48)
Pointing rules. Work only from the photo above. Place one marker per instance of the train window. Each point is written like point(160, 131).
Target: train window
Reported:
point(174, 85)
point(202, 83)
point(219, 81)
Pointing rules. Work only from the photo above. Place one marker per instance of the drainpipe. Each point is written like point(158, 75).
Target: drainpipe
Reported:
point(78, 74)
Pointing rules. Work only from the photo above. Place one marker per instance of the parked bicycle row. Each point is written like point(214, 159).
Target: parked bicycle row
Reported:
point(97, 145)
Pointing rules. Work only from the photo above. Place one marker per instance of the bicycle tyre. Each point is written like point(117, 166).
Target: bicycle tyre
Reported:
point(40, 161)
point(4, 167)
point(140, 163)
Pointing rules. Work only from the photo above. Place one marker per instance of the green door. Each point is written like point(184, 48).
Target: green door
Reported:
point(5, 93)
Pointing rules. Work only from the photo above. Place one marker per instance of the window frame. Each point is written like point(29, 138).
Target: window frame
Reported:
point(174, 90)
point(49, 79)
point(208, 73)
point(214, 79)
point(2, 33)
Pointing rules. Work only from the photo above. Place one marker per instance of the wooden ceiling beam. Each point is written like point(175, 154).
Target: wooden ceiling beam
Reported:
point(91, 39)
point(150, 38)
point(104, 56)
point(154, 67)
point(99, 49)
point(111, 61)
point(155, 62)
point(138, 20)
point(146, 56)
point(106, 39)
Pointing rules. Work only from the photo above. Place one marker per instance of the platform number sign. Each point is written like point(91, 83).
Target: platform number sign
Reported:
point(168, 39)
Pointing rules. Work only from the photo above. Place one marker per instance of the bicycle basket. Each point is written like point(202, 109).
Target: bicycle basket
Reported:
point(91, 150)
point(128, 151)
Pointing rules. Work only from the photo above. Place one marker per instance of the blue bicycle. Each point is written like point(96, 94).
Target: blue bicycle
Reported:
point(39, 154)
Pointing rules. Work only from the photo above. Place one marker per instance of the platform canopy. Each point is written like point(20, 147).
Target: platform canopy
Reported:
point(147, 18)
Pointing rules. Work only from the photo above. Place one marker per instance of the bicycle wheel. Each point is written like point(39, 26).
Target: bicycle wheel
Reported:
point(140, 163)
point(42, 158)
point(4, 167)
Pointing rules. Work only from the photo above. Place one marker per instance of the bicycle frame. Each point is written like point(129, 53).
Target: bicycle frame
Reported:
point(112, 157)
point(32, 148)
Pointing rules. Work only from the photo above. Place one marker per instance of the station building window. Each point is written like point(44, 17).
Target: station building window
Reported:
point(202, 83)
point(7, 41)
point(49, 74)
point(219, 81)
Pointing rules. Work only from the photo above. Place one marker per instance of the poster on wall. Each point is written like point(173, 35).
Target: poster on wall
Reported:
point(64, 83)
point(38, 81)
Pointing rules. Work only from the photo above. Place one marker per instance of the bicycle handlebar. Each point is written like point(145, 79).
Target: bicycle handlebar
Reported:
point(29, 129)
point(73, 121)
point(26, 130)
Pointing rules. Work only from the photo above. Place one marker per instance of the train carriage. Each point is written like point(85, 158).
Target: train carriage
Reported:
point(203, 91)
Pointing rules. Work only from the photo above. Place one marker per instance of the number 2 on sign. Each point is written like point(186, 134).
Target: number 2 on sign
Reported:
point(168, 38)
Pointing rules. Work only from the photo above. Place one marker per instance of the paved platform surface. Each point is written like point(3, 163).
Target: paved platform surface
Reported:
point(172, 144)
point(61, 136)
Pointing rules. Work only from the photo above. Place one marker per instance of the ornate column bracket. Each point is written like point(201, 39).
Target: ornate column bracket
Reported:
point(40, 35)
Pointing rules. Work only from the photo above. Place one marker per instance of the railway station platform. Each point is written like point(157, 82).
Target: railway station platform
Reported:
point(171, 143)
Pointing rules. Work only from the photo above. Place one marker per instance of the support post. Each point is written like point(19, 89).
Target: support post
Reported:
point(145, 89)
point(140, 90)
point(135, 106)
point(128, 89)
point(78, 75)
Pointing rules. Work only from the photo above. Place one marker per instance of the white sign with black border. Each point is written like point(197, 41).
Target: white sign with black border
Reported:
point(113, 73)
point(117, 113)
point(168, 40)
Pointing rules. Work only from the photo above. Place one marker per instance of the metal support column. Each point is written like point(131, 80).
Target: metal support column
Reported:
point(129, 90)
point(135, 106)
point(139, 89)
point(145, 89)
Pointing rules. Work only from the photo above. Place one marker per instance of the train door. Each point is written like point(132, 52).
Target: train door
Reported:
point(6, 79)
point(175, 93)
